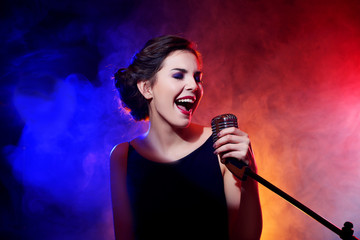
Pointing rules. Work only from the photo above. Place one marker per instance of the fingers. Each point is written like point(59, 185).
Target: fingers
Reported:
point(239, 145)
point(232, 143)
point(240, 155)
point(231, 130)
point(231, 135)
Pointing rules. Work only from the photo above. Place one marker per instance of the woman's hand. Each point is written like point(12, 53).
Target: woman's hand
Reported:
point(234, 143)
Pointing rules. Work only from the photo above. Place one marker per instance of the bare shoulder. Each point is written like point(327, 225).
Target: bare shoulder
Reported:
point(118, 158)
point(119, 150)
point(200, 132)
point(207, 131)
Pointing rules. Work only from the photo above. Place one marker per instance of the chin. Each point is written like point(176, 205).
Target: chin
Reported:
point(187, 123)
point(183, 123)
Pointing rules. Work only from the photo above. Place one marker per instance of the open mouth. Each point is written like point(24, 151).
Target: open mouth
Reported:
point(185, 104)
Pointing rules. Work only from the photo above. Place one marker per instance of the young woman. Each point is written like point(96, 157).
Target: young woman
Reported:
point(169, 183)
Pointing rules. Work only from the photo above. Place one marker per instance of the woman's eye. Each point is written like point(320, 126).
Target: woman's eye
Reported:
point(178, 75)
point(198, 77)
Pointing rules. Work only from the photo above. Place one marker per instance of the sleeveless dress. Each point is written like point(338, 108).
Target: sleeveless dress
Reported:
point(184, 199)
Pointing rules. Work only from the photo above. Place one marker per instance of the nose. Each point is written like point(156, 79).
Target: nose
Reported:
point(192, 84)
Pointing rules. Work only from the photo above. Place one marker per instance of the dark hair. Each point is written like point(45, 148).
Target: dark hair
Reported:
point(145, 64)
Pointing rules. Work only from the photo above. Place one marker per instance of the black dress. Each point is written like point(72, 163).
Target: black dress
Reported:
point(184, 199)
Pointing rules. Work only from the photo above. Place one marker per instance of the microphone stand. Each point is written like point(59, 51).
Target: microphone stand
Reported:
point(241, 171)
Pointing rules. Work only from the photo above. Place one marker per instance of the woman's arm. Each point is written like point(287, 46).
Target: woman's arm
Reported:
point(245, 218)
point(119, 196)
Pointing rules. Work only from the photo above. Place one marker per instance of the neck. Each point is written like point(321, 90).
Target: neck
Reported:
point(165, 143)
point(167, 136)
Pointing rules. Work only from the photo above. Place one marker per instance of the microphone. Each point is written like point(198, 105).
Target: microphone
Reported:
point(218, 123)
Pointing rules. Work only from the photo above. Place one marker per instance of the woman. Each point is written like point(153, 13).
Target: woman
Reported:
point(169, 183)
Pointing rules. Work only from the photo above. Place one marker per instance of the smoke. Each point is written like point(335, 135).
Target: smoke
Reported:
point(288, 69)
point(61, 157)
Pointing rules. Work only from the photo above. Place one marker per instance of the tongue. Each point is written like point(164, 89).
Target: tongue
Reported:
point(181, 107)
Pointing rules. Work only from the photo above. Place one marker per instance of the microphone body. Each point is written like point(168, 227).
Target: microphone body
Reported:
point(218, 123)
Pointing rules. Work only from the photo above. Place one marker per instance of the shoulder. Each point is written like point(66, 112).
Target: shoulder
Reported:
point(208, 131)
point(200, 132)
point(200, 138)
point(118, 157)
point(119, 150)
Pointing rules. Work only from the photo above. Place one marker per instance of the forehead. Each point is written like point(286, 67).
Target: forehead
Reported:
point(181, 59)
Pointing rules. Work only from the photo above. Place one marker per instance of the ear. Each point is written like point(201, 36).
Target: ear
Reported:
point(145, 89)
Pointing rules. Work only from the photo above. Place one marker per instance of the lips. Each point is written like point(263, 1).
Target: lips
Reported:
point(185, 104)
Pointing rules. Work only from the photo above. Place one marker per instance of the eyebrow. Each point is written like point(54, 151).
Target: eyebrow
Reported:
point(180, 69)
point(183, 70)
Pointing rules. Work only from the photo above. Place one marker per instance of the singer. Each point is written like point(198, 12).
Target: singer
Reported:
point(169, 183)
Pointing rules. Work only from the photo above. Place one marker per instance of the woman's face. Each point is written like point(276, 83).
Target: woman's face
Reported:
point(177, 90)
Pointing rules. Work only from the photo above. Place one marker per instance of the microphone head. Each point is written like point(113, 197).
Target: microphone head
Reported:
point(220, 122)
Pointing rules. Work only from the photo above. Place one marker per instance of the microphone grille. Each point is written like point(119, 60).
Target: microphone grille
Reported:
point(220, 122)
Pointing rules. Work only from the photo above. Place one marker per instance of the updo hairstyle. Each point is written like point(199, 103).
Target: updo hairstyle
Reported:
point(144, 66)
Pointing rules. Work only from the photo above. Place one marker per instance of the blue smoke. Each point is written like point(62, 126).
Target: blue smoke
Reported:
point(62, 156)
point(59, 86)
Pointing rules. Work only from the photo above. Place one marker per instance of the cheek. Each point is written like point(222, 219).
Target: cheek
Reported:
point(165, 94)
point(200, 91)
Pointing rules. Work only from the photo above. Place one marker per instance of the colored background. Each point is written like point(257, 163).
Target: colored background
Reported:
point(289, 70)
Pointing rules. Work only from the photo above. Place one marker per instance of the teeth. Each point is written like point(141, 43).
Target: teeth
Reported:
point(187, 100)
